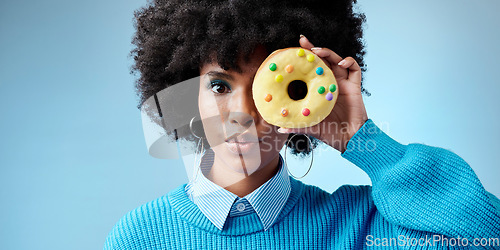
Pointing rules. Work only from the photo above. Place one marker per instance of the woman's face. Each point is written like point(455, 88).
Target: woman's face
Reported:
point(242, 141)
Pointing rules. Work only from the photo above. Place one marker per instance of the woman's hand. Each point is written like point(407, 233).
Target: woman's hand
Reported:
point(349, 113)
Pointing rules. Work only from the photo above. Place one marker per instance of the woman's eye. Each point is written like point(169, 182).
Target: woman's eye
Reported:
point(219, 87)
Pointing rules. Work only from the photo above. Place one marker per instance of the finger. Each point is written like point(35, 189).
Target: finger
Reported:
point(327, 54)
point(288, 130)
point(305, 43)
point(332, 59)
point(313, 131)
point(354, 69)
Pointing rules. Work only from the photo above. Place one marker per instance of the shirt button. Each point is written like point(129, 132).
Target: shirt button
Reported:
point(240, 207)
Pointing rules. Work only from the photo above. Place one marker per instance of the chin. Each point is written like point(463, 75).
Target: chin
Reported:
point(248, 162)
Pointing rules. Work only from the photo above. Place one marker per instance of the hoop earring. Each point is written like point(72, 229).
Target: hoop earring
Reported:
point(312, 157)
point(191, 128)
point(198, 151)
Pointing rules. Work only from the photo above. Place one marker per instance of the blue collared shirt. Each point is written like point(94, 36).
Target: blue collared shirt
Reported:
point(217, 204)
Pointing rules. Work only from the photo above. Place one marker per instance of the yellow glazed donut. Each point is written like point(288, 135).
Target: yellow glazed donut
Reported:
point(294, 88)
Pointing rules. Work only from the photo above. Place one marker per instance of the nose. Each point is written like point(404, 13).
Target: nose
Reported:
point(239, 118)
point(242, 110)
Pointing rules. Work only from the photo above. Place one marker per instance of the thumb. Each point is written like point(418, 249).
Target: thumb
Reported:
point(288, 130)
point(308, 131)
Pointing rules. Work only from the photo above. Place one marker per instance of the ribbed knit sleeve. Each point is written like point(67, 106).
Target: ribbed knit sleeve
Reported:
point(424, 188)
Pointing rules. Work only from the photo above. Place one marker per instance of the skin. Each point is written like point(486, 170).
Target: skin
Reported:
point(225, 98)
point(235, 110)
point(349, 113)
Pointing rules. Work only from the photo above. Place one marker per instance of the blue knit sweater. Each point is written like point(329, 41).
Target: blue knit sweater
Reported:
point(421, 196)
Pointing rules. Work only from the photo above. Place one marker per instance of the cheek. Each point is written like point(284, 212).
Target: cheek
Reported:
point(211, 119)
point(269, 130)
point(204, 105)
point(210, 106)
point(272, 140)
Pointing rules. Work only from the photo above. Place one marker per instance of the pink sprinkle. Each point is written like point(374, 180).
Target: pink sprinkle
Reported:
point(306, 111)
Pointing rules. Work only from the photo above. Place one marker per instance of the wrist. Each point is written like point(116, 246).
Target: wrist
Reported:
point(373, 150)
point(344, 135)
point(355, 127)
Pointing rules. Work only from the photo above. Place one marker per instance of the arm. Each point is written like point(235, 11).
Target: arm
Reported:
point(415, 186)
point(424, 188)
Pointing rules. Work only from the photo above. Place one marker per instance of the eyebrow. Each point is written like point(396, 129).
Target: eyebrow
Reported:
point(221, 75)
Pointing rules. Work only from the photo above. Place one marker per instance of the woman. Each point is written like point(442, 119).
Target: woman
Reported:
point(243, 196)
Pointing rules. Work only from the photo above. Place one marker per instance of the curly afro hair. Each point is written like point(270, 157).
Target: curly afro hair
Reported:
point(175, 37)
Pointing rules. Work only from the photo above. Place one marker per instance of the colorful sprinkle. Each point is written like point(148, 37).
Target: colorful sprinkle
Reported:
point(268, 97)
point(319, 71)
point(333, 88)
point(289, 68)
point(329, 96)
point(284, 112)
point(310, 58)
point(272, 66)
point(321, 90)
point(306, 111)
point(301, 52)
point(278, 78)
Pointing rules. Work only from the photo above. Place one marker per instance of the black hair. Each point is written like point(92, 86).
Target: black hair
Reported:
point(175, 37)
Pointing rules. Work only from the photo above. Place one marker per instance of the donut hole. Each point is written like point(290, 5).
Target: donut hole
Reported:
point(297, 90)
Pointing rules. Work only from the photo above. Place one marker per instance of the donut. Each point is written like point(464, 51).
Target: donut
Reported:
point(294, 88)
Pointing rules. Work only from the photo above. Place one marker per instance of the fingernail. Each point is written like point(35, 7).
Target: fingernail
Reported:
point(316, 48)
point(301, 36)
point(341, 62)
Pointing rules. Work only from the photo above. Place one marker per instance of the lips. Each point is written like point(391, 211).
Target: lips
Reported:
point(243, 143)
point(243, 138)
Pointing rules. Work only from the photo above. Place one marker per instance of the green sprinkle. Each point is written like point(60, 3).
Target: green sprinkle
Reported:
point(333, 88)
point(272, 67)
point(321, 90)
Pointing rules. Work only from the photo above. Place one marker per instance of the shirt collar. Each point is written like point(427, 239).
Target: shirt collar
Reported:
point(215, 202)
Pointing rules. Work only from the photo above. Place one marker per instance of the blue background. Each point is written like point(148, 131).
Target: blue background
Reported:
point(73, 159)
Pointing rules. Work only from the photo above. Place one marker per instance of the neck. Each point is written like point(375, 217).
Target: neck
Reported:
point(238, 183)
